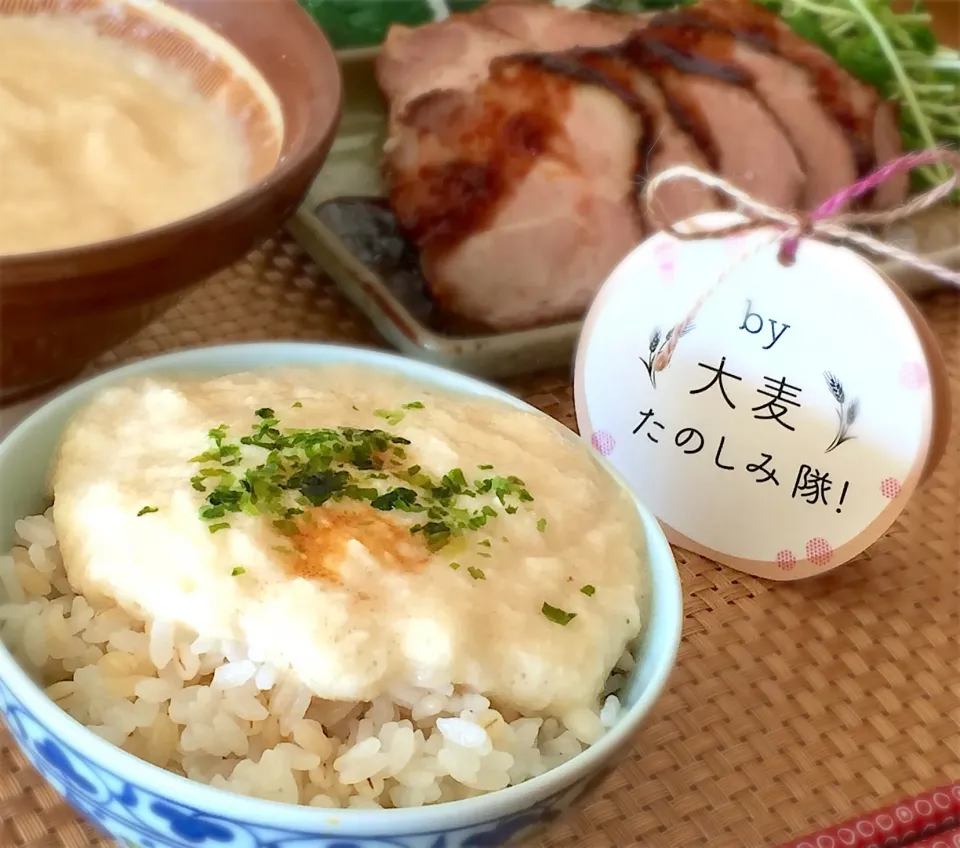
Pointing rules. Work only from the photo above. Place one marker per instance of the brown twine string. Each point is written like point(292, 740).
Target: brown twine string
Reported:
point(828, 222)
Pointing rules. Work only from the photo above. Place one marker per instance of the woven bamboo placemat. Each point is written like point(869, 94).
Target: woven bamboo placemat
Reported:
point(793, 706)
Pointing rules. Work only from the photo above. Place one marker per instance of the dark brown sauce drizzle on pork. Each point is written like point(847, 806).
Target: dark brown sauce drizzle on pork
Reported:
point(664, 63)
point(764, 31)
point(614, 68)
point(665, 56)
point(675, 47)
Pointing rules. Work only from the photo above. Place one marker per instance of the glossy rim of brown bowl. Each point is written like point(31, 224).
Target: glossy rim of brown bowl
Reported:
point(296, 60)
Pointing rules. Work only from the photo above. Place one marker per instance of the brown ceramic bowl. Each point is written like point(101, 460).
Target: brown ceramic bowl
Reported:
point(277, 73)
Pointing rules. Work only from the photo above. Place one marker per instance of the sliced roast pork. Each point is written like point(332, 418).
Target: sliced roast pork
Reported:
point(665, 144)
point(456, 53)
point(869, 123)
point(522, 133)
point(519, 194)
point(453, 54)
point(787, 91)
point(697, 107)
point(712, 100)
point(550, 29)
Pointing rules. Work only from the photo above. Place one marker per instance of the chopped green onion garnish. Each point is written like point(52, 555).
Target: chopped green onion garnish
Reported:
point(454, 565)
point(147, 510)
point(541, 524)
point(415, 404)
point(237, 571)
point(476, 573)
point(391, 416)
point(557, 615)
point(589, 590)
point(297, 470)
point(297, 404)
point(286, 526)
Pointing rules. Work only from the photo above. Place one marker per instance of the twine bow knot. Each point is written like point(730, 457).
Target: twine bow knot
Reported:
point(829, 221)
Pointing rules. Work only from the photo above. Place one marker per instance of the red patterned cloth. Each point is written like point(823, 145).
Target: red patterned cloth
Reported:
point(949, 839)
point(930, 820)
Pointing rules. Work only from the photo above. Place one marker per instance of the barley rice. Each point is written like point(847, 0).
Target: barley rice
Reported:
point(216, 715)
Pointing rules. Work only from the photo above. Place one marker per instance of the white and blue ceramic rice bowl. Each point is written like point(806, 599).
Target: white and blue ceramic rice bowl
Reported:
point(140, 804)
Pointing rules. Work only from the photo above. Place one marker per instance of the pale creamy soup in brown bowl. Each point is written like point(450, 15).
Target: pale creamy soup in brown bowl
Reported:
point(143, 146)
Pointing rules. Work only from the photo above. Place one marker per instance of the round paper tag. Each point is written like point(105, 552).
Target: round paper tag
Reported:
point(796, 414)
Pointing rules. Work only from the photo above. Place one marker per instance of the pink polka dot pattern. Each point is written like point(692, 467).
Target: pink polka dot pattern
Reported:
point(899, 826)
point(666, 256)
point(890, 488)
point(914, 376)
point(884, 822)
point(603, 442)
point(786, 560)
point(819, 551)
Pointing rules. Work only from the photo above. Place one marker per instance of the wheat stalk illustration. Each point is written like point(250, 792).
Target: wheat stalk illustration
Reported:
point(847, 413)
point(651, 355)
point(657, 343)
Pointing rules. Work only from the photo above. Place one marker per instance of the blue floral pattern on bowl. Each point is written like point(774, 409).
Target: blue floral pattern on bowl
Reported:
point(140, 818)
